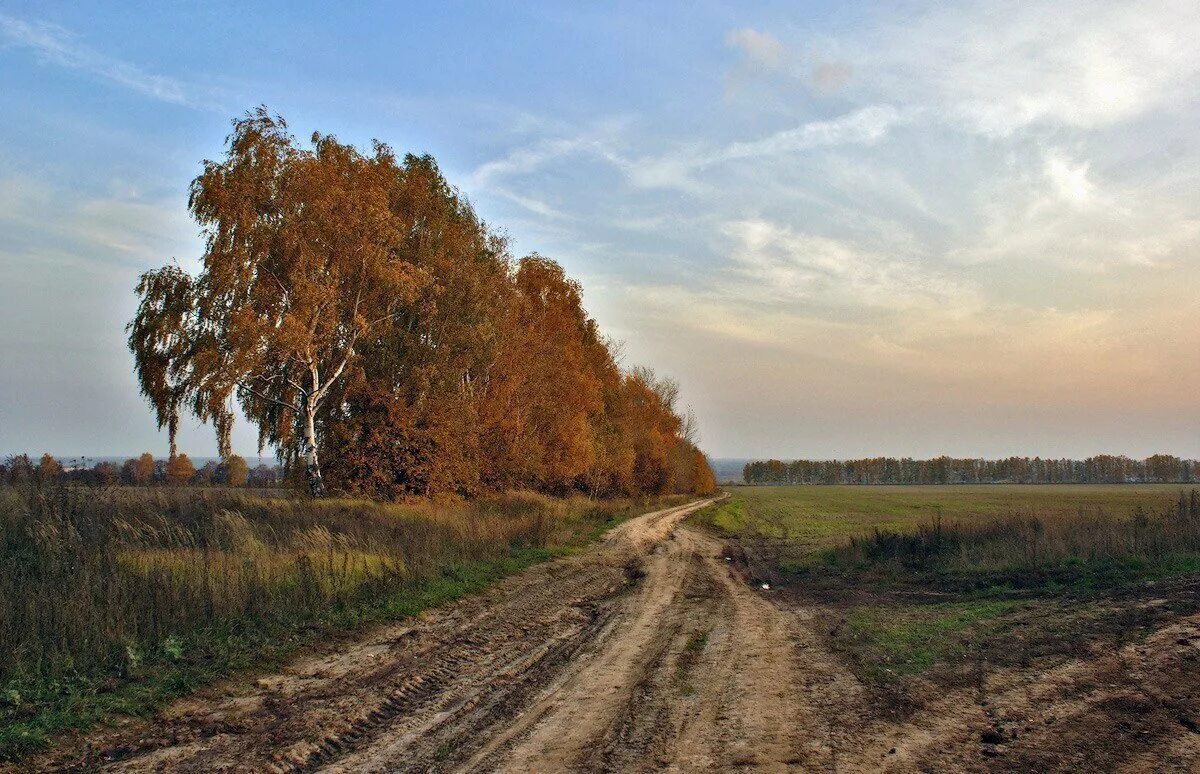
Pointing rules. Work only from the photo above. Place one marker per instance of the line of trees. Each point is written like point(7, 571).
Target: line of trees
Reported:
point(382, 338)
point(1101, 469)
point(144, 470)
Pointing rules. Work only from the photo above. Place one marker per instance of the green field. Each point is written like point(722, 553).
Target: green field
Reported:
point(913, 579)
point(819, 517)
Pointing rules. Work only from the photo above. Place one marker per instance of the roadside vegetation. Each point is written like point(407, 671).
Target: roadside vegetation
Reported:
point(117, 599)
point(944, 580)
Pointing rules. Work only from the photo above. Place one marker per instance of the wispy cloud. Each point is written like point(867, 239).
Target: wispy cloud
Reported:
point(792, 267)
point(527, 159)
point(55, 45)
point(123, 229)
point(678, 168)
point(865, 126)
point(1074, 64)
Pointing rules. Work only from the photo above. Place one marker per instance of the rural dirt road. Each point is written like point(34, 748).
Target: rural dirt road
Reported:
point(650, 651)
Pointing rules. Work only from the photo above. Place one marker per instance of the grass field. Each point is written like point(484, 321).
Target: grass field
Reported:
point(921, 578)
point(817, 517)
point(116, 600)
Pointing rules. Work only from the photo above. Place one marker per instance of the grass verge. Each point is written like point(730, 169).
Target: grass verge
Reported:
point(120, 601)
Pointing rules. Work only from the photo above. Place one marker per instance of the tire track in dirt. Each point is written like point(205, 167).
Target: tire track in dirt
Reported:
point(701, 677)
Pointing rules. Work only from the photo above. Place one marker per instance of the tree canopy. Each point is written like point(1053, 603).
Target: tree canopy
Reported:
point(354, 303)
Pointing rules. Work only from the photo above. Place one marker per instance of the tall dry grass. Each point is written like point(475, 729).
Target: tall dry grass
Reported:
point(92, 581)
point(1033, 545)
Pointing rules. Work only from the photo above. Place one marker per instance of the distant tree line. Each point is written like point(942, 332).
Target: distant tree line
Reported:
point(384, 340)
point(1101, 469)
point(144, 470)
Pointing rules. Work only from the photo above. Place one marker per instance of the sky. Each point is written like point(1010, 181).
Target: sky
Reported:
point(846, 229)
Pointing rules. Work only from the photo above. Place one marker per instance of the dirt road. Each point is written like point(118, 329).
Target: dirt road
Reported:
point(650, 651)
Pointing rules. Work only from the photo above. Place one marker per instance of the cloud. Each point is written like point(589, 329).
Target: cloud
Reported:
point(679, 168)
point(54, 45)
point(764, 57)
point(1002, 209)
point(124, 230)
point(865, 126)
point(1070, 179)
point(534, 205)
point(998, 70)
point(527, 159)
point(789, 266)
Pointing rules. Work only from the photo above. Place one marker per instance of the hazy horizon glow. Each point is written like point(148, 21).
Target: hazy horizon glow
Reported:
point(896, 229)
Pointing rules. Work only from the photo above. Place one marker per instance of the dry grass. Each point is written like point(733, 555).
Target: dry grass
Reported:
point(117, 600)
point(95, 581)
point(1035, 548)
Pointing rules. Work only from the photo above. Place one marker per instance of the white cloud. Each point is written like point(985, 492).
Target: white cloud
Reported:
point(124, 229)
point(828, 77)
point(866, 126)
point(528, 159)
point(678, 169)
point(1005, 211)
point(55, 45)
point(1070, 179)
point(1002, 68)
point(789, 266)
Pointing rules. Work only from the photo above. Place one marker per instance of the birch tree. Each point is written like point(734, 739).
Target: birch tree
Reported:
point(304, 265)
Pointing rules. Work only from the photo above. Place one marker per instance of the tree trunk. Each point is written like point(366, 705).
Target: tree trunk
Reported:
point(312, 466)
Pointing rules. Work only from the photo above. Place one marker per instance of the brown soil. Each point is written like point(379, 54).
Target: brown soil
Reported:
point(653, 651)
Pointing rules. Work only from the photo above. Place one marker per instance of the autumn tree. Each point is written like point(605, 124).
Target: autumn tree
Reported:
point(48, 467)
point(304, 266)
point(206, 474)
point(264, 475)
point(180, 470)
point(20, 468)
point(414, 396)
point(140, 470)
point(233, 471)
point(105, 473)
point(355, 304)
point(542, 397)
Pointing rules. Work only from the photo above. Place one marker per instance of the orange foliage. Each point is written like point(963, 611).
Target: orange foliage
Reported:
point(180, 469)
point(374, 316)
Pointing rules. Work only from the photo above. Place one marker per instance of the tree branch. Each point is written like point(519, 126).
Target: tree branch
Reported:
point(267, 398)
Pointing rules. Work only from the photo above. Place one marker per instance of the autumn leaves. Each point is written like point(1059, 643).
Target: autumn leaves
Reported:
point(355, 305)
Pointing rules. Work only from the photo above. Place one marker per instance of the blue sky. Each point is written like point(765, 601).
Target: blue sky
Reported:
point(895, 228)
